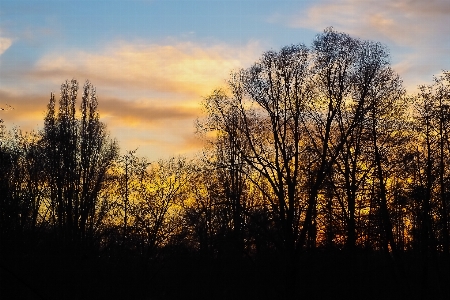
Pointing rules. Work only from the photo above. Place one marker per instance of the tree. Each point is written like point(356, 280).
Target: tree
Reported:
point(432, 151)
point(22, 187)
point(78, 154)
point(298, 109)
point(442, 95)
point(130, 180)
point(224, 159)
point(157, 214)
point(386, 133)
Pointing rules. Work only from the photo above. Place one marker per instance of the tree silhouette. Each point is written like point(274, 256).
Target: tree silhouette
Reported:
point(316, 165)
point(297, 111)
point(78, 155)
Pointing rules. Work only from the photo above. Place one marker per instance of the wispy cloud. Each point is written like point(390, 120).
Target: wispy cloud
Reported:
point(27, 111)
point(149, 94)
point(157, 130)
point(180, 68)
point(144, 113)
point(419, 29)
point(5, 43)
point(403, 22)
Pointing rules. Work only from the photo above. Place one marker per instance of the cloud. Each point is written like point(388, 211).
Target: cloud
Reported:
point(177, 143)
point(402, 22)
point(418, 30)
point(5, 43)
point(27, 111)
point(158, 130)
point(182, 68)
point(143, 112)
point(149, 94)
point(32, 107)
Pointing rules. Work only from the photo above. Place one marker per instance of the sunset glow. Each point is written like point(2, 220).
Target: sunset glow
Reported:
point(153, 62)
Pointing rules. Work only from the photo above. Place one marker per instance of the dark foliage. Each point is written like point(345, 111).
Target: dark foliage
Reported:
point(319, 179)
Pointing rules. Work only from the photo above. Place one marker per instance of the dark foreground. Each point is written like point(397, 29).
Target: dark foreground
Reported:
point(51, 271)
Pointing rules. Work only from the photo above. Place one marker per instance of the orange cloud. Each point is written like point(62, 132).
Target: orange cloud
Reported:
point(27, 111)
point(185, 145)
point(180, 68)
point(148, 93)
point(159, 131)
point(143, 112)
point(170, 138)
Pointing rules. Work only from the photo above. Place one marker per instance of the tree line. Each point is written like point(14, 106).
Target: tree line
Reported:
point(314, 148)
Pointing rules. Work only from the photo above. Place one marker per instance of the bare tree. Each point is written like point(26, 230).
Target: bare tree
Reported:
point(78, 155)
point(157, 213)
point(299, 109)
point(224, 159)
point(22, 186)
point(430, 189)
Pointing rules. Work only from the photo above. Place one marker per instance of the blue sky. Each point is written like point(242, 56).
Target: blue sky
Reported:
point(153, 61)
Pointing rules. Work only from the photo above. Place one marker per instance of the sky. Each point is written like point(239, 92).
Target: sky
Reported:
point(152, 62)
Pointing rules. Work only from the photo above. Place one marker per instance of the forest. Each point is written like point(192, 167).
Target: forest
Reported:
point(320, 178)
